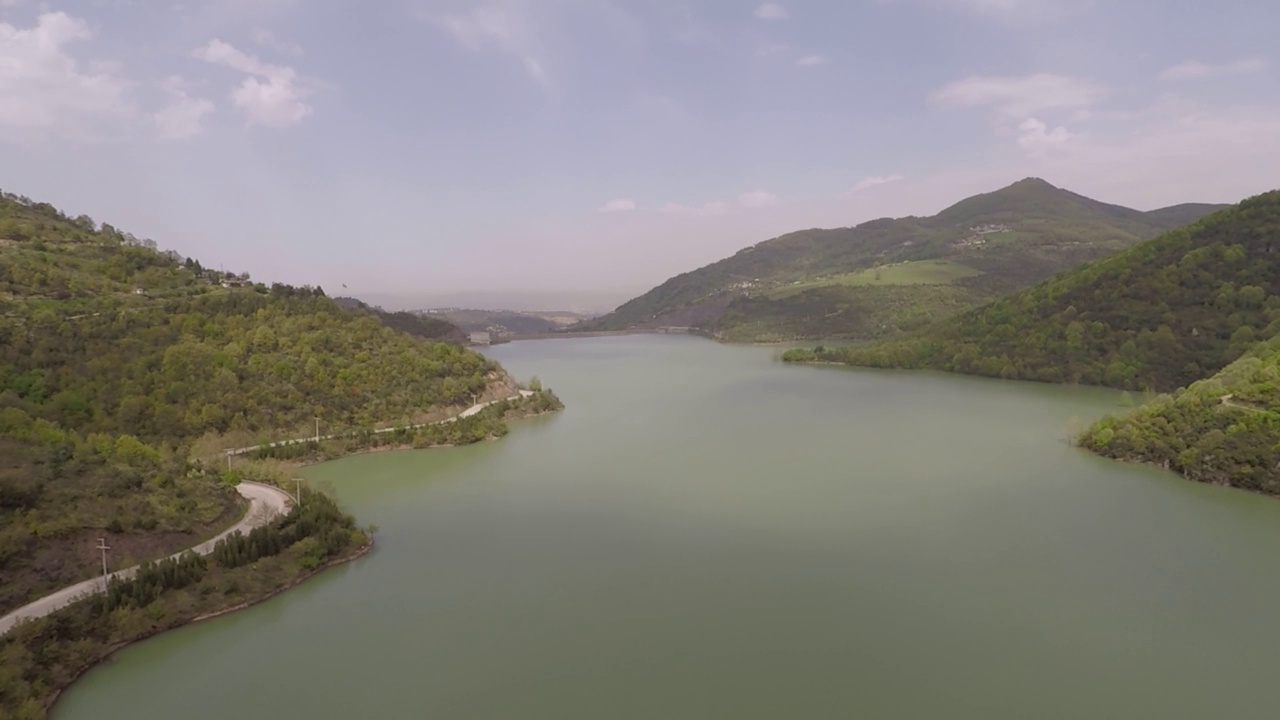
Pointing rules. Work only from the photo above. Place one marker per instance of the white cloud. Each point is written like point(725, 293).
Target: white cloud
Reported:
point(774, 49)
point(45, 92)
point(183, 116)
point(810, 60)
point(757, 199)
point(267, 39)
point(499, 26)
point(1037, 139)
point(752, 199)
point(535, 70)
point(271, 95)
point(869, 182)
point(1016, 98)
point(618, 205)
point(1172, 152)
point(772, 11)
point(1192, 69)
point(1020, 105)
point(717, 207)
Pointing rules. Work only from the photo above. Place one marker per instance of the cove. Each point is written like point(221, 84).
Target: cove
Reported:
point(705, 533)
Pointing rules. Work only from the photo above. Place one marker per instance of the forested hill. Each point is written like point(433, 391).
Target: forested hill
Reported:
point(1160, 315)
point(1224, 430)
point(100, 332)
point(115, 358)
point(888, 276)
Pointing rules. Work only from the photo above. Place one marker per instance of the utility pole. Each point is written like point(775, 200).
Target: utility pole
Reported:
point(299, 493)
point(228, 460)
point(317, 428)
point(102, 545)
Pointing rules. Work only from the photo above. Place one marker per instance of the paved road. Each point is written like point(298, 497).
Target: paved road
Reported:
point(265, 503)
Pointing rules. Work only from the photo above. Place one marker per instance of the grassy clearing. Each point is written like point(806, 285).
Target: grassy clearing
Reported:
point(919, 272)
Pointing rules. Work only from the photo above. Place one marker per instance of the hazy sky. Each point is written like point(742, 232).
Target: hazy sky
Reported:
point(596, 147)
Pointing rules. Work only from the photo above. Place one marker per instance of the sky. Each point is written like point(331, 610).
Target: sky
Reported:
point(578, 152)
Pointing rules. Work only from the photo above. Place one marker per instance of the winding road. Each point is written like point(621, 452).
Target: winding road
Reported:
point(315, 438)
point(265, 503)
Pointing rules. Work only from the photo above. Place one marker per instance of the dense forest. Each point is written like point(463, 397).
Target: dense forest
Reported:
point(814, 283)
point(1223, 430)
point(117, 359)
point(1158, 316)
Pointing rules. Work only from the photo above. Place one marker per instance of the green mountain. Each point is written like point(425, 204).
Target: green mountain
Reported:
point(120, 365)
point(888, 276)
point(1158, 316)
point(1224, 430)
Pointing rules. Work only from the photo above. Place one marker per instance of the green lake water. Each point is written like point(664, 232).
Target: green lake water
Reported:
point(707, 533)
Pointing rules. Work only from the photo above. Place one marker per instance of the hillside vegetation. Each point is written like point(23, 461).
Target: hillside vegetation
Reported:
point(1223, 430)
point(887, 276)
point(115, 359)
point(1157, 316)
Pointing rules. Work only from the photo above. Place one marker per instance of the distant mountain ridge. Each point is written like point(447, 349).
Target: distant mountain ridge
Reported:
point(419, 326)
point(505, 323)
point(866, 281)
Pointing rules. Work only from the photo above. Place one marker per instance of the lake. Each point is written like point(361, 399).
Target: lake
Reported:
point(705, 532)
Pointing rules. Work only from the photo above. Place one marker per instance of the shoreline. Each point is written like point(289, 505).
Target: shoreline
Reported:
point(265, 504)
point(361, 551)
point(693, 332)
point(1075, 439)
point(296, 581)
point(830, 363)
point(453, 414)
point(403, 447)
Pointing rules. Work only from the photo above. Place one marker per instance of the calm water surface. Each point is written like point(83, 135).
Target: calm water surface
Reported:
point(706, 533)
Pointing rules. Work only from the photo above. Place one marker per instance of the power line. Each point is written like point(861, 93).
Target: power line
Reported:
point(102, 545)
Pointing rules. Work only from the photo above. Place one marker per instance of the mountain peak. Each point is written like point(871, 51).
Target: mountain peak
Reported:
point(814, 282)
point(1033, 182)
point(1031, 197)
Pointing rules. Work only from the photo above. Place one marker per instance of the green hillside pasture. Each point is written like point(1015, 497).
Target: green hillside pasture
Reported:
point(919, 272)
